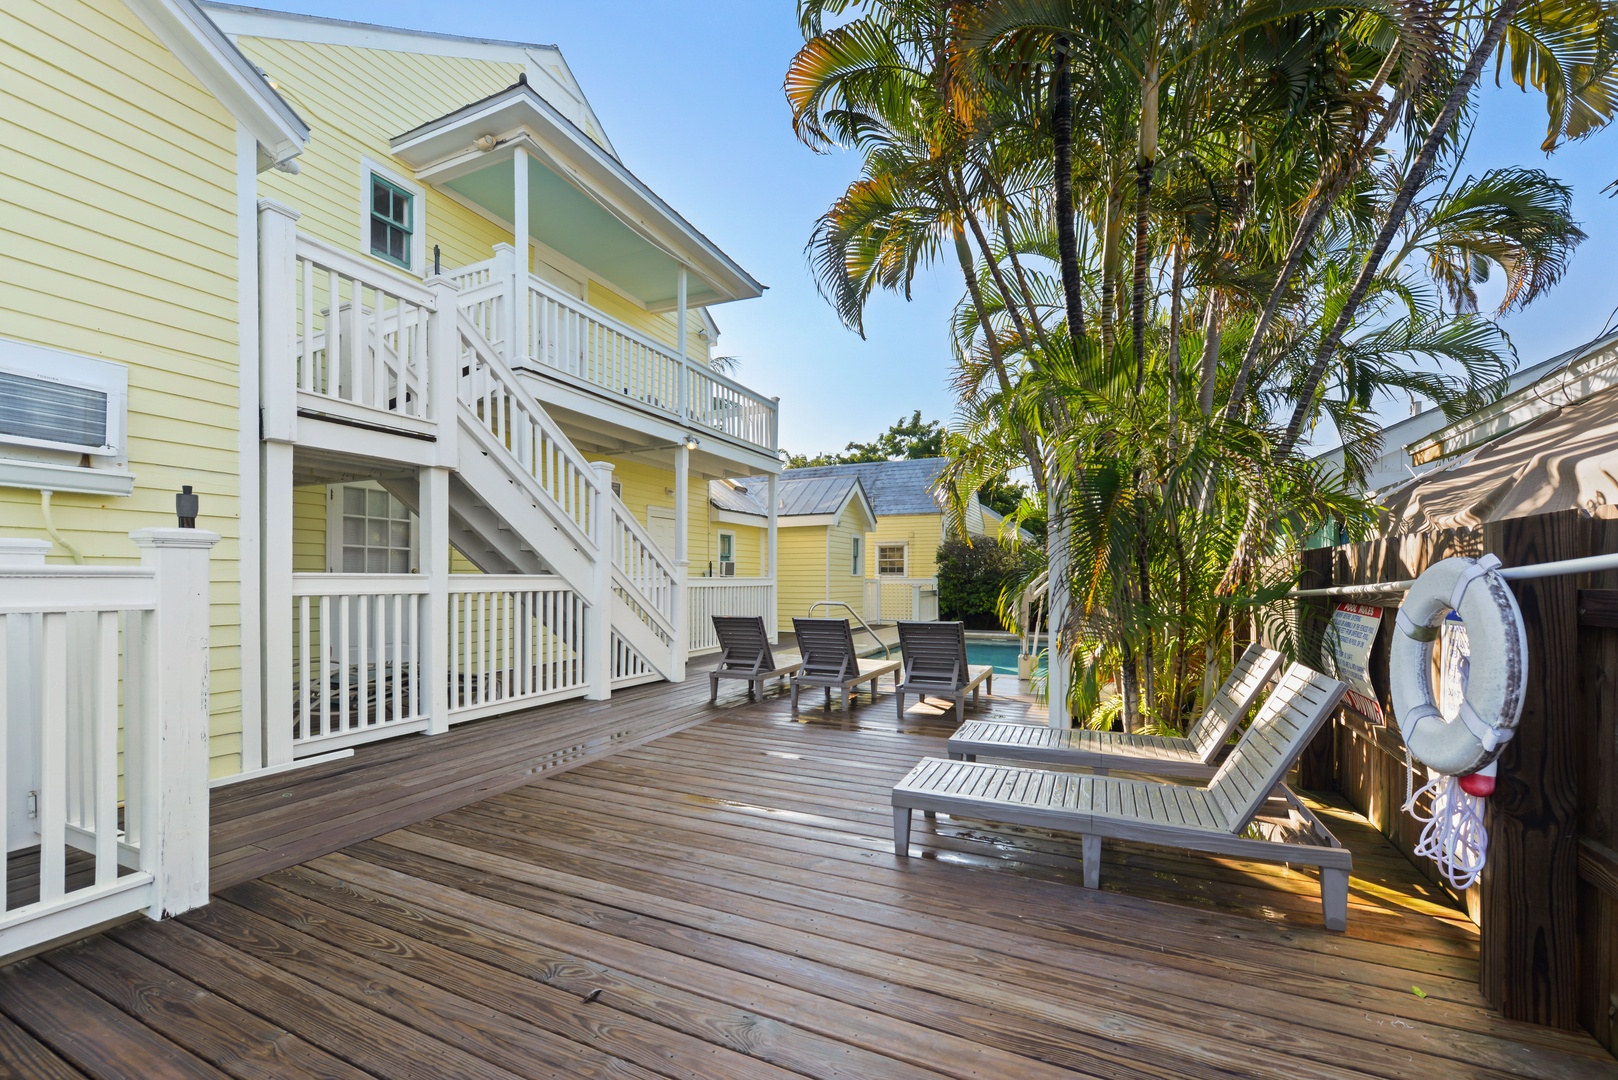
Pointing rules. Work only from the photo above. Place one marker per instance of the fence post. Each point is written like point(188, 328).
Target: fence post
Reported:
point(174, 719)
point(1317, 768)
point(1529, 964)
point(505, 270)
point(598, 647)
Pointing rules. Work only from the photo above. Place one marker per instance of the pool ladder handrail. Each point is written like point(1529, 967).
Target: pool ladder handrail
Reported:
point(887, 650)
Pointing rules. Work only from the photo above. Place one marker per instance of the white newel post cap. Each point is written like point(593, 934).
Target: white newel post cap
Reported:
point(278, 208)
point(21, 552)
point(174, 538)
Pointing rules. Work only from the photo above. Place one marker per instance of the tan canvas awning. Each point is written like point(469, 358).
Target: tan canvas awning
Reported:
point(1562, 460)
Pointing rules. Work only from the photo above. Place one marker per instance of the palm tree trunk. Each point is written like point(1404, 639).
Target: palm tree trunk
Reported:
point(1111, 237)
point(1314, 217)
point(1395, 218)
point(1066, 235)
point(1145, 165)
point(1212, 325)
point(963, 252)
point(1008, 300)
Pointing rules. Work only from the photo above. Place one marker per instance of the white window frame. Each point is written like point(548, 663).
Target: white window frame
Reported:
point(905, 548)
point(334, 528)
point(719, 553)
point(418, 215)
point(71, 369)
point(857, 562)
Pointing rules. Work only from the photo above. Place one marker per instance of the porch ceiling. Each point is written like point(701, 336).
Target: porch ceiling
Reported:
point(582, 202)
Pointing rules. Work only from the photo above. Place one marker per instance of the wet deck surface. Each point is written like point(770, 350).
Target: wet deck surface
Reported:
point(724, 902)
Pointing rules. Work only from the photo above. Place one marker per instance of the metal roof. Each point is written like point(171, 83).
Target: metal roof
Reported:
point(797, 496)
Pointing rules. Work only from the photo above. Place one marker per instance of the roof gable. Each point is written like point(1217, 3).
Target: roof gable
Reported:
point(908, 486)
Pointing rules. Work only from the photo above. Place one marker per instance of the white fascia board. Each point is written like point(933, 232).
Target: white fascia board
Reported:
point(736, 517)
point(799, 520)
point(199, 44)
point(441, 150)
point(1586, 375)
point(856, 495)
point(45, 476)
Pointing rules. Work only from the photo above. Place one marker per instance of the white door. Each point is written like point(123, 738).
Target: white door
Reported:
point(660, 523)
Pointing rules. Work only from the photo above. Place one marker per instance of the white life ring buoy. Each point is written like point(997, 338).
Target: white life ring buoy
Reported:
point(1498, 669)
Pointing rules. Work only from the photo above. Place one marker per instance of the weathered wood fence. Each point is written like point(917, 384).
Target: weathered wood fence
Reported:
point(1547, 903)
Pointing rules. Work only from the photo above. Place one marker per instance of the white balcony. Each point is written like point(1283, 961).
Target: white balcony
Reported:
point(578, 347)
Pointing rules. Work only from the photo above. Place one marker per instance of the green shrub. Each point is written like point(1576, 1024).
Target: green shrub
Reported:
point(970, 579)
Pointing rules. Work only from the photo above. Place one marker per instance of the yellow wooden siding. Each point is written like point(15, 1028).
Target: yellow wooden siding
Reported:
point(357, 100)
point(661, 327)
point(923, 533)
point(843, 584)
point(309, 530)
point(802, 577)
point(749, 549)
point(118, 184)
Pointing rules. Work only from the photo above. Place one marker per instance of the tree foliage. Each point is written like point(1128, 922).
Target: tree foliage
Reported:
point(973, 576)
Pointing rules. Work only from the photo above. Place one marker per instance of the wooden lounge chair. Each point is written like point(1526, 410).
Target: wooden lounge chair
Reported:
point(747, 655)
point(1193, 757)
point(829, 660)
point(935, 666)
point(1213, 819)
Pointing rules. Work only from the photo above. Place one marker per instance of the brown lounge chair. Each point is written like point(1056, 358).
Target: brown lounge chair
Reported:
point(1193, 757)
point(935, 666)
point(746, 655)
point(1213, 819)
point(829, 660)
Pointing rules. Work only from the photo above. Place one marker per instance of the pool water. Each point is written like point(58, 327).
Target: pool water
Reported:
point(1003, 655)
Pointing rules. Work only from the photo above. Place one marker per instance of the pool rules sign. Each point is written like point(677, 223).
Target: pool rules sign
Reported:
point(1353, 631)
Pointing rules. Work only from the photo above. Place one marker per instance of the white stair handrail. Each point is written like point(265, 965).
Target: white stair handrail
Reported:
point(642, 568)
point(526, 437)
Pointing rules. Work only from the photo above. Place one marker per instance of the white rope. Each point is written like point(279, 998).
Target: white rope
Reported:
point(1453, 835)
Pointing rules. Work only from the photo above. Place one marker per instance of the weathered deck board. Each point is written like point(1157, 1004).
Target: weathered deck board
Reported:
point(650, 887)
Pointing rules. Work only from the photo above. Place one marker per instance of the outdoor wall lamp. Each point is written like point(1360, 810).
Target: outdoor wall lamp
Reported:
point(691, 442)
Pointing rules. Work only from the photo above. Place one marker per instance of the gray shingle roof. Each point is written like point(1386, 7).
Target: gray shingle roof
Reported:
point(894, 487)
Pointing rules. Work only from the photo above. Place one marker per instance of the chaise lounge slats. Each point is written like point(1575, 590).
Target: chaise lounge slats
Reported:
point(1192, 756)
point(746, 654)
point(830, 661)
point(1212, 819)
point(935, 666)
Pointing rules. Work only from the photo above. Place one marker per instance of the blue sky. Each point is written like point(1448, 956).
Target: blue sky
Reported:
point(690, 94)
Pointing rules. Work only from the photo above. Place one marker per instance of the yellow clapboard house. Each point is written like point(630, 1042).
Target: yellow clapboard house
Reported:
point(434, 360)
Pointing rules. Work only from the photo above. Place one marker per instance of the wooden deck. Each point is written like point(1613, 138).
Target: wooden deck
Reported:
point(559, 895)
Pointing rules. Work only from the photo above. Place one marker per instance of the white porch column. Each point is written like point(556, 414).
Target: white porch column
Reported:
point(275, 486)
point(598, 651)
point(519, 297)
point(174, 714)
point(684, 390)
point(772, 623)
point(433, 518)
point(682, 539)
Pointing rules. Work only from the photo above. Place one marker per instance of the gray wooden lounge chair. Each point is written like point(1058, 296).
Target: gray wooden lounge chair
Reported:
point(1193, 757)
point(829, 660)
point(1213, 819)
point(747, 655)
point(935, 666)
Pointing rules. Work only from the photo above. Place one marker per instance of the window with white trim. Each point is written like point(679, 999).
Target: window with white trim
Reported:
point(370, 531)
point(727, 554)
point(892, 560)
point(857, 562)
point(391, 218)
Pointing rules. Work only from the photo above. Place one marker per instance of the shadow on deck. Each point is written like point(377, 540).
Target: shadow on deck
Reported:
point(557, 894)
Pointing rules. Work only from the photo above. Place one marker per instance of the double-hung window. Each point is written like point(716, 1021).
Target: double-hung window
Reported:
point(727, 554)
point(392, 221)
point(891, 560)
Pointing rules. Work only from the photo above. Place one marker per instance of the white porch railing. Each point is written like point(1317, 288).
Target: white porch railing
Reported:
point(357, 658)
point(568, 337)
point(89, 657)
point(513, 641)
point(889, 599)
point(727, 596)
point(642, 572)
point(526, 434)
point(363, 338)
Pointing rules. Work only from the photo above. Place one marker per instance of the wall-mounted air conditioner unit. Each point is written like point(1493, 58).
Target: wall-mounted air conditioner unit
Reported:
point(727, 569)
point(59, 401)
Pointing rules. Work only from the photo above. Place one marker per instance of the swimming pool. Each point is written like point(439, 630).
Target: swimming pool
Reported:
point(1001, 654)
